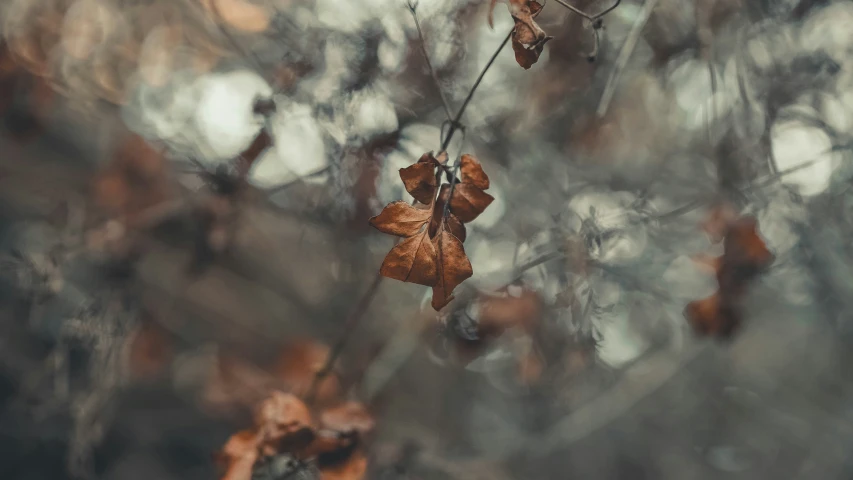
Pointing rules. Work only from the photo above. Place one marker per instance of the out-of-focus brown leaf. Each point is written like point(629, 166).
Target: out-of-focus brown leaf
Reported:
point(713, 316)
point(401, 219)
point(412, 260)
point(528, 39)
point(299, 363)
point(136, 180)
point(283, 422)
point(348, 417)
point(743, 246)
point(468, 200)
point(453, 267)
point(497, 314)
point(238, 456)
point(745, 256)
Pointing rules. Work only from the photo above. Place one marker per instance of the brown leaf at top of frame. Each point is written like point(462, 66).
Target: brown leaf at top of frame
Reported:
point(238, 456)
point(297, 366)
point(528, 39)
point(450, 221)
point(401, 219)
point(419, 180)
point(413, 260)
point(453, 267)
point(353, 468)
point(713, 316)
point(499, 313)
point(348, 417)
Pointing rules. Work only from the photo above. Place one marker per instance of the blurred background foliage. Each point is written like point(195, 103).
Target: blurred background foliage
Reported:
point(138, 287)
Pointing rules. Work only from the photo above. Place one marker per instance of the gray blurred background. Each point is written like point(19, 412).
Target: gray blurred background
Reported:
point(687, 103)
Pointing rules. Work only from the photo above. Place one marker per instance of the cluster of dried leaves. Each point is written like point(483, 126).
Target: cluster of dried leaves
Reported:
point(329, 437)
point(528, 39)
point(433, 227)
point(745, 256)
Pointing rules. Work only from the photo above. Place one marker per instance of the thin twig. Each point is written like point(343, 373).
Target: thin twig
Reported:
point(454, 124)
point(299, 180)
point(413, 6)
point(591, 18)
point(354, 319)
point(758, 184)
point(350, 325)
point(624, 55)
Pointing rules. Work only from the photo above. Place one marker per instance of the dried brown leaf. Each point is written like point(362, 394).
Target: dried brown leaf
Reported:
point(412, 260)
point(453, 267)
point(745, 255)
point(239, 455)
point(526, 57)
point(472, 172)
point(528, 39)
point(468, 202)
point(744, 247)
point(420, 181)
point(713, 316)
point(401, 219)
point(281, 413)
point(450, 221)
